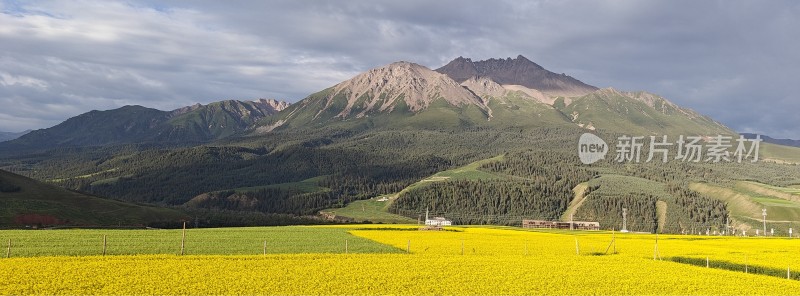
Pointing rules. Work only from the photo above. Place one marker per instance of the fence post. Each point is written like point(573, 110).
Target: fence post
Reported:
point(706, 261)
point(614, 239)
point(183, 237)
point(577, 248)
point(408, 247)
point(265, 248)
point(345, 246)
point(462, 246)
point(104, 244)
point(8, 252)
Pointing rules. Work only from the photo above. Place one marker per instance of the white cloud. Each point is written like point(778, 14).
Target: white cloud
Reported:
point(8, 80)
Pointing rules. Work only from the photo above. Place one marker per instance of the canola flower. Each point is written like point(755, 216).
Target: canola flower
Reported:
point(768, 252)
point(373, 274)
point(494, 261)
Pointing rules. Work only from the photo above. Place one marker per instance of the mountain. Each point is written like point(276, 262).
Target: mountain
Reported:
point(768, 139)
point(400, 93)
point(7, 136)
point(409, 95)
point(137, 124)
point(27, 202)
point(518, 71)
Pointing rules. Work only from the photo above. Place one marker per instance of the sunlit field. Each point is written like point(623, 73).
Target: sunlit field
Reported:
point(369, 259)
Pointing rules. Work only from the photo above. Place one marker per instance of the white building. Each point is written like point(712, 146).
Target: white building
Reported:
point(436, 221)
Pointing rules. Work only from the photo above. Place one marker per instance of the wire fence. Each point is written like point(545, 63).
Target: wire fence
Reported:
point(754, 227)
point(204, 241)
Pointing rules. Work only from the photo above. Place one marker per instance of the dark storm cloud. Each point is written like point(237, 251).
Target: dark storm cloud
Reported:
point(732, 60)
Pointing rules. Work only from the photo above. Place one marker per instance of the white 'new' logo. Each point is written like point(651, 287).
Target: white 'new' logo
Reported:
point(591, 148)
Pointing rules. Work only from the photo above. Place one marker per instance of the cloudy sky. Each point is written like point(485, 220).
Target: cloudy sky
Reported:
point(736, 61)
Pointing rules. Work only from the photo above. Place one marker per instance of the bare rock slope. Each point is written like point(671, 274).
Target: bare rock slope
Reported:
point(518, 71)
point(381, 89)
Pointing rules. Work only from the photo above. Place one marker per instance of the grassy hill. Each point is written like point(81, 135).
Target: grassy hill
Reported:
point(780, 153)
point(26, 202)
point(372, 210)
point(746, 200)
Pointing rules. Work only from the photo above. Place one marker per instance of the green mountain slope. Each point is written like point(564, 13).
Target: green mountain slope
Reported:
point(219, 119)
point(636, 113)
point(123, 125)
point(137, 124)
point(780, 153)
point(26, 202)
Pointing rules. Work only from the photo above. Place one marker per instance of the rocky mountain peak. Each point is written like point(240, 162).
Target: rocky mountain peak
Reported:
point(517, 71)
point(459, 69)
point(380, 89)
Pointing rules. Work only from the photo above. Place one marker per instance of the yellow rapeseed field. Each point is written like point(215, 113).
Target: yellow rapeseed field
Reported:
point(494, 261)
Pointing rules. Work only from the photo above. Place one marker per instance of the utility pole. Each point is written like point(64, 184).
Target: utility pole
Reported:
point(624, 220)
point(764, 213)
point(728, 225)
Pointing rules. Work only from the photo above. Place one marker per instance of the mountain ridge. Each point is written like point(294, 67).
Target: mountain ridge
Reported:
point(137, 124)
point(641, 112)
point(404, 94)
point(518, 71)
point(400, 94)
point(768, 139)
